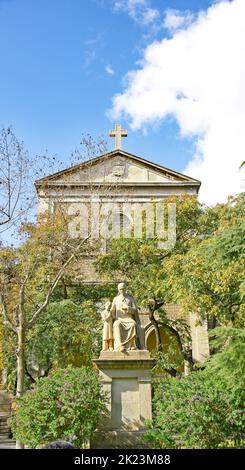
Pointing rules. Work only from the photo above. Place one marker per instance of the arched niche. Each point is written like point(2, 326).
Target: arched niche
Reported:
point(166, 338)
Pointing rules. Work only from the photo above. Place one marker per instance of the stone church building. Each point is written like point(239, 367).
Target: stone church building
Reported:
point(112, 184)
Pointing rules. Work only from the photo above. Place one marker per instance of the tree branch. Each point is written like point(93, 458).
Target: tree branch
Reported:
point(33, 381)
point(153, 305)
point(7, 320)
point(52, 287)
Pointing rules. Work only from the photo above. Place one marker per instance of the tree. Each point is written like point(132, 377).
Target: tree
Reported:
point(14, 172)
point(68, 334)
point(29, 275)
point(228, 362)
point(209, 277)
point(18, 170)
point(66, 405)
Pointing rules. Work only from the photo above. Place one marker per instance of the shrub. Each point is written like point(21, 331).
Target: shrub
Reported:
point(195, 412)
point(66, 405)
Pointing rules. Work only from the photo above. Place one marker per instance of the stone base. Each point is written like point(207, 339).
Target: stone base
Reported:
point(112, 358)
point(119, 440)
point(126, 378)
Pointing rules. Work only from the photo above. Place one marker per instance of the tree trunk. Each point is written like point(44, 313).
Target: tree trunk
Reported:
point(20, 360)
point(20, 366)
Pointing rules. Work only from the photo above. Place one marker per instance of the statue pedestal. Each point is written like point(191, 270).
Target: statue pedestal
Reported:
point(126, 377)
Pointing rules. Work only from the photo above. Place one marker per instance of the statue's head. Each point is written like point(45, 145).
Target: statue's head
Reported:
point(108, 304)
point(121, 288)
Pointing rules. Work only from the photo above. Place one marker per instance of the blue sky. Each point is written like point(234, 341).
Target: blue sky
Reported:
point(53, 82)
point(64, 65)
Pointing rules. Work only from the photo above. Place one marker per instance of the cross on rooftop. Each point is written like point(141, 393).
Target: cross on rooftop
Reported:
point(118, 133)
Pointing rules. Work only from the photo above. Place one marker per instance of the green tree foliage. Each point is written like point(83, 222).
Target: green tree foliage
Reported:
point(228, 362)
point(68, 333)
point(66, 405)
point(210, 276)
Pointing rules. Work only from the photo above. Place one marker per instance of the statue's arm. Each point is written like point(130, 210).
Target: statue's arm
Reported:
point(133, 307)
point(113, 309)
point(106, 315)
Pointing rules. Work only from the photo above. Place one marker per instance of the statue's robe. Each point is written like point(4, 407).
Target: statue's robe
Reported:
point(124, 326)
point(107, 325)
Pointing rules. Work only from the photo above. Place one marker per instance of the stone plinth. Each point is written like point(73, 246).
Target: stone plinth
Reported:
point(126, 377)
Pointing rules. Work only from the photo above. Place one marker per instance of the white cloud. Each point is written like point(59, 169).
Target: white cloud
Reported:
point(91, 48)
point(139, 10)
point(109, 70)
point(197, 76)
point(175, 19)
point(150, 15)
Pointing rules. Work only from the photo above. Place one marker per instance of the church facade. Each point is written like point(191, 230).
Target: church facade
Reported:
point(104, 197)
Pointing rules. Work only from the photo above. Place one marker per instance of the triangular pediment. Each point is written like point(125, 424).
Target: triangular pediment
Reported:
point(117, 166)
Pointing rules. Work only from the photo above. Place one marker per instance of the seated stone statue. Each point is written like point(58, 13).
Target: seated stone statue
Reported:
point(123, 310)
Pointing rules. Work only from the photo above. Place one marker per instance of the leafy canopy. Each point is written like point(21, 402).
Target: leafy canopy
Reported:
point(68, 333)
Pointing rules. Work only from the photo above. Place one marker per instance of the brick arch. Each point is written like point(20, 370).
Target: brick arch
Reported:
point(150, 337)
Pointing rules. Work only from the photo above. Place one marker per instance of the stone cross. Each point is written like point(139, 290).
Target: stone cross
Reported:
point(118, 133)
